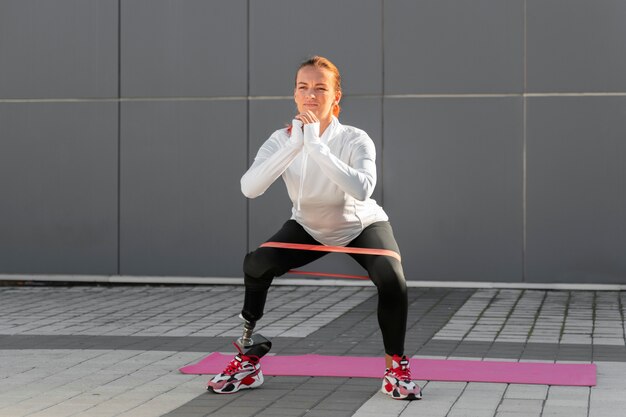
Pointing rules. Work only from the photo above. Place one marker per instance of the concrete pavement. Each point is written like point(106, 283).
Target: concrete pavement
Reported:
point(115, 350)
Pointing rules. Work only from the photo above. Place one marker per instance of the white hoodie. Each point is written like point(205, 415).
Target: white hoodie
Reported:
point(329, 179)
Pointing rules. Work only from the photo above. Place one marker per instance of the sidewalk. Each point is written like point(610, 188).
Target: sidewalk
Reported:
point(115, 350)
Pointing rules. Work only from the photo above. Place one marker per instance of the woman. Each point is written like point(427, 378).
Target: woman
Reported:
point(330, 173)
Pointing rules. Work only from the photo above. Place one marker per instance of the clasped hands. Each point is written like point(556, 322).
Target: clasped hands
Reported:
point(305, 129)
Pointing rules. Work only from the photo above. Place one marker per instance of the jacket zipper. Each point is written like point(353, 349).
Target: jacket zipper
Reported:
point(305, 156)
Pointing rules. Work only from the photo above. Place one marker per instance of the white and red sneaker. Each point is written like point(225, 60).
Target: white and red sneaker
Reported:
point(397, 381)
point(241, 373)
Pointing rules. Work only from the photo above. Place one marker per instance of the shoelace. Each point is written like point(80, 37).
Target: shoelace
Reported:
point(233, 366)
point(237, 364)
point(403, 372)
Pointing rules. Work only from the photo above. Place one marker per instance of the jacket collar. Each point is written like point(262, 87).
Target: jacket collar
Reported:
point(330, 131)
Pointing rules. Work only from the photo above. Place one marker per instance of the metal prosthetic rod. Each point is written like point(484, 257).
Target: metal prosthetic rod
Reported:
point(246, 339)
point(252, 344)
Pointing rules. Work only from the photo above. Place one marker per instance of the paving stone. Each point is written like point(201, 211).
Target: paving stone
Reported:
point(559, 411)
point(525, 405)
point(526, 392)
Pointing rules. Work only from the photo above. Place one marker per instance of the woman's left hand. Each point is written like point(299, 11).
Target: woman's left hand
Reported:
point(307, 117)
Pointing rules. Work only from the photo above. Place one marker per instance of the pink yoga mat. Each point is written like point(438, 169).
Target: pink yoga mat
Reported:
point(421, 369)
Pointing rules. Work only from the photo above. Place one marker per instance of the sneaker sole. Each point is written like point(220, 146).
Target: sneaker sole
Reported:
point(236, 387)
point(410, 397)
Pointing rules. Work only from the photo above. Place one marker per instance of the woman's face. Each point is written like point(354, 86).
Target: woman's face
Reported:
point(315, 91)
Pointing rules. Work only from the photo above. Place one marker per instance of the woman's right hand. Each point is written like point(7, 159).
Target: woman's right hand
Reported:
point(297, 134)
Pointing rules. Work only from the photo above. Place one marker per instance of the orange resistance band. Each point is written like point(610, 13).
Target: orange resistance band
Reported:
point(326, 274)
point(324, 248)
point(339, 249)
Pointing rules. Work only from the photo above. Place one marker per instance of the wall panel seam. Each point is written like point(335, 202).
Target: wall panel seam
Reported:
point(119, 137)
point(247, 159)
point(382, 105)
point(261, 98)
point(524, 147)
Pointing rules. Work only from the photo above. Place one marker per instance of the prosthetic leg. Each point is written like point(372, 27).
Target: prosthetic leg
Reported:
point(252, 343)
point(244, 371)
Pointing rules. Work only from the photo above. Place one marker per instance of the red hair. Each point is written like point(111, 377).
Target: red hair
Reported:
point(324, 63)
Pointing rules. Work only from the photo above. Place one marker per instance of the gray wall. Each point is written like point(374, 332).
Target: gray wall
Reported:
point(500, 127)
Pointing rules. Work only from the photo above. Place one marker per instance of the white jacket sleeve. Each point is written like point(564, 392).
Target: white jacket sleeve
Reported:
point(358, 179)
point(271, 161)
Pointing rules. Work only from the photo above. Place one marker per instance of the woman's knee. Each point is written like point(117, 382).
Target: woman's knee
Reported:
point(259, 270)
point(388, 276)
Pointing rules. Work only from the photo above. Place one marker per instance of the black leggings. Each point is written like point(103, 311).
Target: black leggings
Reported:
point(262, 265)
